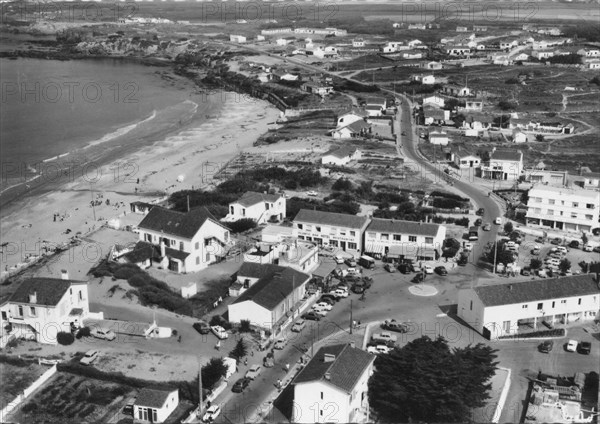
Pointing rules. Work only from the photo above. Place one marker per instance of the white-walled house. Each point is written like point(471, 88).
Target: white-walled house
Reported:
point(511, 308)
point(237, 38)
point(341, 156)
point(337, 230)
point(355, 129)
point(465, 160)
point(42, 307)
point(434, 100)
point(404, 239)
point(519, 136)
point(300, 255)
point(439, 137)
point(336, 376)
point(154, 406)
point(424, 79)
point(268, 301)
point(570, 209)
point(350, 116)
point(261, 207)
point(188, 242)
point(503, 165)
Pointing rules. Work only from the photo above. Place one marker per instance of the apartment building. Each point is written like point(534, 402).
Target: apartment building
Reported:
point(570, 209)
point(503, 165)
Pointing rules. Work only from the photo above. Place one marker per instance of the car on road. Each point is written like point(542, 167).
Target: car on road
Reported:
point(241, 385)
point(571, 346)
point(478, 222)
point(376, 350)
point(480, 211)
point(329, 298)
point(338, 259)
point(219, 331)
point(405, 268)
point(487, 226)
point(597, 249)
point(351, 262)
point(89, 357)
point(211, 413)
point(103, 333)
point(323, 305)
point(441, 270)
point(298, 326)
point(556, 241)
point(546, 347)
point(393, 325)
point(201, 327)
point(280, 344)
point(428, 269)
point(321, 312)
point(574, 244)
point(389, 267)
point(253, 372)
point(311, 316)
point(339, 293)
point(384, 336)
point(584, 348)
point(498, 221)
point(312, 193)
point(587, 248)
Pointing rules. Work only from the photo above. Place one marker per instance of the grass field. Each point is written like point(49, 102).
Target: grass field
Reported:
point(15, 379)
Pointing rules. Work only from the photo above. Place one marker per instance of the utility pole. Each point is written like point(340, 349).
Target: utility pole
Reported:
point(93, 200)
point(495, 252)
point(351, 320)
point(188, 202)
point(199, 388)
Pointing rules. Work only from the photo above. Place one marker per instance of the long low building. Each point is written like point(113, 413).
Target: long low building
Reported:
point(513, 308)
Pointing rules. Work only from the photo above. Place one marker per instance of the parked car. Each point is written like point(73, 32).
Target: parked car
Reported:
point(201, 327)
point(389, 268)
point(311, 316)
point(584, 348)
point(376, 350)
point(536, 250)
point(467, 247)
point(441, 270)
point(574, 244)
point(384, 336)
point(597, 249)
point(320, 311)
point(351, 262)
point(358, 289)
point(312, 193)
point(253, 372)
point(298, 326)
point(211, 413)
point(219, 331)
point(562, 249)
point(478, 222)
point(338, 259)
point(526, 272)
point(405, 268)
point(103, 333)
point(480, 211)
point(280, 344)
point(588, 248)
point(498, 221)
point(571, 346)
point(546, 347)
point(339, 293)
point(322, 305)
point(89, 357)
point(393, 325)
point(487, 226)
point(428, 269)
point(539, 240)
point(241, 385)
point(329, 298)
point(556, 241)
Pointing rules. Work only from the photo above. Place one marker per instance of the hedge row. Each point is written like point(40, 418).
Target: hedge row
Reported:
point(557, 332)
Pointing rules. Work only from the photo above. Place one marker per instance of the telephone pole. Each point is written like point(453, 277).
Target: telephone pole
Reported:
point(351, 320)
point(199, 388)
point(495, 252)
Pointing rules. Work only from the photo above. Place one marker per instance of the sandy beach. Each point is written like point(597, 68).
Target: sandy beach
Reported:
point(185, 159)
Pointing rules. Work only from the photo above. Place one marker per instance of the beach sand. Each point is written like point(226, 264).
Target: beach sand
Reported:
point(184, 160)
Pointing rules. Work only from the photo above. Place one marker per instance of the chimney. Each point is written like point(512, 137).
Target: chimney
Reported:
point(328, 357)
point(33, 297)
point(64, 274)
point(162, 249)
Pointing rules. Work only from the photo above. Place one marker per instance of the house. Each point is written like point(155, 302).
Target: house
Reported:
point(284, 41)
point(462, 29)
point(521, 57)
point(477, 121)
point(300, 255)
point(439, 138)
point(508, 44)
point(542, 54)
point(398, 239)
point(503, 165)
point(592, 64)
point(456, 90)
point(431, 65)
point(397, 25)
point(351, 115)
point(358, 42)
point(412, 54)
point(280, 74)
point(480, 28)
point(474, 105)
point(391, 47)
point(433, 116)
point(539, 175)
point(341, 156)
point(260, 207)
point(275, 234)
point(434, 101)
point(352, 130)
point(519, 136)
point(588, 52)
point(141, 207)
point(464, 160)
point(424, 79)
point(376, 101)
point(188, 242)
point(154, 406)
point(42, 307)
point(271, 299)
point(337, 230)
point(458, 50)
point(273, 31)
point(511, 308)
point(237, 38)
point(338, 374)
point(315, 88)
point(586, 179)
point(414, 44)
point(417, 26)
point(568, 209)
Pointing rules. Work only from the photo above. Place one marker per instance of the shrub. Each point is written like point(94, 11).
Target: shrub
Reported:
point(508, 227)
point(245, 326)
point(535, 263)
point(83, 332)
point(241, 225)
point(557, 332)
point(343, 184)
point(14, 360)
point(29, 407)
point(463, 222)
point(65, 338)
point(219, 320)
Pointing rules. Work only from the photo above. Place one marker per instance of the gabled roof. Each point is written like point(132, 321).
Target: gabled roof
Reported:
point(251, 198)
point(358, 126)
point(144, 250)
point(179, 224)
point(275, 284)
point(49, 291)
point(354, 111)
point(511, 155)
point(343, 372)
point(331, 218)
point(537, 290)
point(152, 398)
point(342, 152)
point(381, 225)
point(479, 117)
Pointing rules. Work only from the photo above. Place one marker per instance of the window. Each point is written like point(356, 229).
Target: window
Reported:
point(197, 245)
point(33, 314)
point(321, 395)
point(197, 260)
point(243, 212)
point(371, 235)
point(429, 240)
point(71, 290)
point(154, 416)
point(550, 211)
point(551, 201)
point(318, 229)
point(397, 237)
point(562, 202)
point(207, 257)
point(206, 242)
point(579, 301)
point(333, 243)
point(148, 237)
point(266, 206)
point(20, 311)
point(575, 204)
point(300, 226)
point(471, 307)
point(80, 295)
point(385, 237)
point(589, 217)
point(352, 246)
point(573, 215)
point(540, 306)
point(553, 303)
point(300, 237)
point(308, 227)
point(231, 207)
point(524, 307)
point(412, 238)
point(589, 205)
point(563, 301)
point(352, 233)
point(181, 245)
point(343, 233)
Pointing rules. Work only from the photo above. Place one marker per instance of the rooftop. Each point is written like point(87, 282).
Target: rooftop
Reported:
point(348, 365)
point(180, 224)
point(558, 191)
point(381, 225)
point(251, 198)
point(536, 290)
point(152, 398)
point(331, 218)
point(49, 291)
point(341, 152)
point(511, 155)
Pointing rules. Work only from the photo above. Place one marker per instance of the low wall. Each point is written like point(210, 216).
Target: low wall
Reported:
point(26, 393)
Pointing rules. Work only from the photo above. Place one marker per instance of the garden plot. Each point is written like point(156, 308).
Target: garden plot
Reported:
point(16, 378)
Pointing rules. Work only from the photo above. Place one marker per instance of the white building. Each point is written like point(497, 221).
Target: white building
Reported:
point(542, 54)
point(358, 42)
point(337, 375)
point(404, 239)
point(424, 79)
point(261, 207)
point(40, 308)
point(434, 100)
point(519, 136)
point(355, 129)
point(341, 156)
point(503, 165)
point(571, 209)
point(271, 298)
point(465, 160)
point(350, 116)
point(439, 138)
point(300, 255)
point(337, 230)
point(188, 242)
point(512, 308)
point(154, 406)
point(587, 52)
point(237, 38)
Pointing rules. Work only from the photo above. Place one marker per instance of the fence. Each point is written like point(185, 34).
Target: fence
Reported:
point(26, 393)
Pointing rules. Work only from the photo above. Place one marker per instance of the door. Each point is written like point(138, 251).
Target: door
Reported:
point(486, 333)
point(343, 245)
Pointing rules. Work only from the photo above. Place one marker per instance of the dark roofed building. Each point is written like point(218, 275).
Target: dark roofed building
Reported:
point(337, 373)
point(510, 155)
point(330, 218)
point(180, 224)
point(48, 291)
